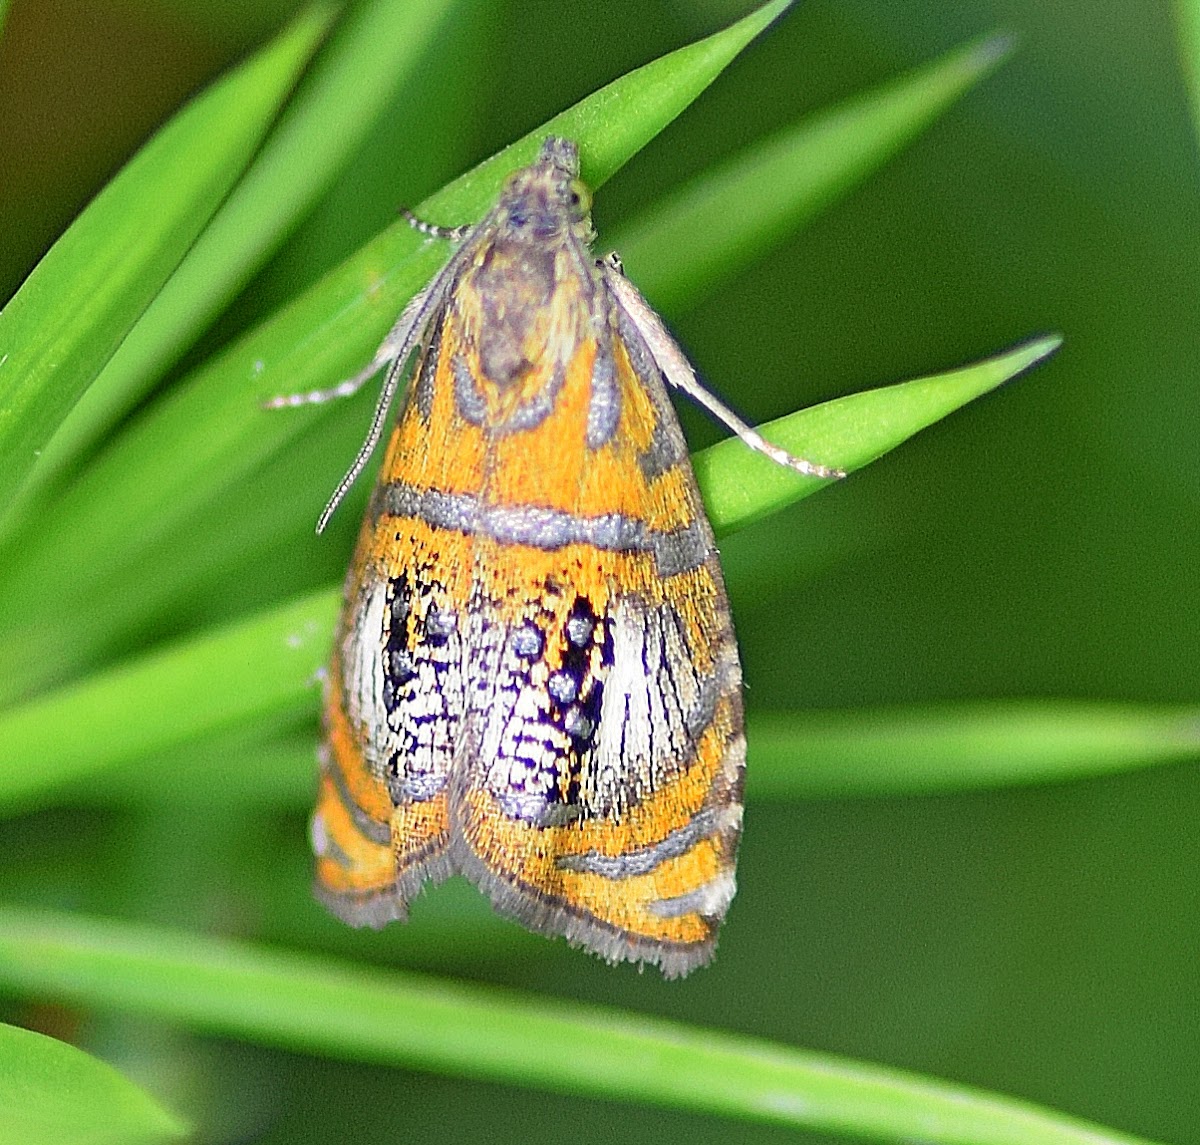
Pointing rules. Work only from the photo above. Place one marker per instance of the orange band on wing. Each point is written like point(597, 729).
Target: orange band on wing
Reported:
point(347, 861)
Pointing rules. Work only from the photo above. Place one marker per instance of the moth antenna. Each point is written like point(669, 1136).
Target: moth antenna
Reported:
point(453, 234)
point(391, 382)
point(394, 351)
point(344, 389)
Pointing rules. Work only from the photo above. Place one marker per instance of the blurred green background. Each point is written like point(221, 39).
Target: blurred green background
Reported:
point(1044, 542)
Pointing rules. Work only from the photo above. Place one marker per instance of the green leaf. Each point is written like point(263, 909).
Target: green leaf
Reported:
point(729, 216)
point(210, 432)
point(373, 48)
point(741, 487)
point(611, 125)
point(1187, 26)
point(267, 663)
point(282, 777)
point(324, 1006)
point(959, 747)
point(53, 1094)
point(258, 667)
point(83, 297)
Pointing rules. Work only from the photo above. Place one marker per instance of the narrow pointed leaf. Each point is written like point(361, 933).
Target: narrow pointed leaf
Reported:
point(613, 124)
point(83, 297)
point(325, 1006)
point(282, 777)
point(792, 755)
point(261, 666)
point(741, 487)
point(54, 1094)
point(959, 747)
point(728, 217)
point(1187, 27)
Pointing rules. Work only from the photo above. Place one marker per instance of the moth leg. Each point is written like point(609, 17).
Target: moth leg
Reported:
point(678, 372)
point(399, 342)
point(394, 351)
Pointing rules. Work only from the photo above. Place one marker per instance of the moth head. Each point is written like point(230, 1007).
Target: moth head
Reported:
point(547, 200)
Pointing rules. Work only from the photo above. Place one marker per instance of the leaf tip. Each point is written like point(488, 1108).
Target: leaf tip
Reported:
point(760, 19)
point(1024, 356)
point(1037, 350)
point(991, 51)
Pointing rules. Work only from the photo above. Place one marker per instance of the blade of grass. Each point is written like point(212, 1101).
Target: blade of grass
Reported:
point(729, 216)
point(325, 1006)
point(263, 666)
point(613, 124)
point(959, 747)
point(741, 487)
point(1187, 31)
point(83, 297)
point(243, 671)
point(373, 48)
point(209, 432)
point(282, 778)
point(53, 1092)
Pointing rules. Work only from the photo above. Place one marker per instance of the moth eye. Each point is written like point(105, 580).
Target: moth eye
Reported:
point(580, 197)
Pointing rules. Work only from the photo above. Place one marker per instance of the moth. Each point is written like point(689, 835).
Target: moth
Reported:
point(535, 681)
